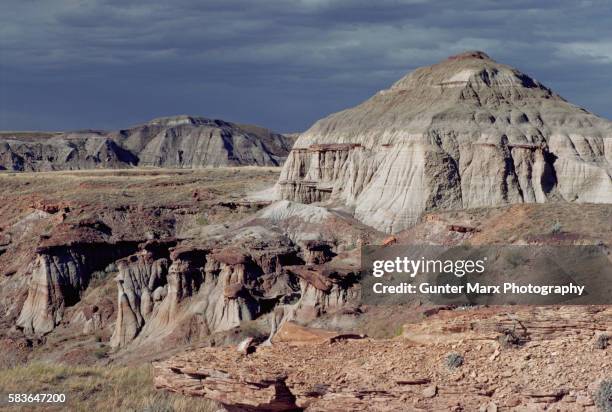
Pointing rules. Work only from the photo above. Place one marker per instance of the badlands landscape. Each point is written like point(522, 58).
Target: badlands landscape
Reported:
point(217, 266)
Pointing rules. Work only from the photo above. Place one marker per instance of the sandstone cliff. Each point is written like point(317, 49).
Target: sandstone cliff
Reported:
point(467, 132)
point(175, 142)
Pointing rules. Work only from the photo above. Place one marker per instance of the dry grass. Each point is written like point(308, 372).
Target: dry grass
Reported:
point(528, 221)
point(203, 192)
point(34, 134)
point(151, 187)
point(97, 388)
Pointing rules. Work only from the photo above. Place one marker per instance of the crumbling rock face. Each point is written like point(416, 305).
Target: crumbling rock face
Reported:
point(467, 132)
point(184, 289)
point(175, 142)
point(59, 275)
point(196, 142)
point(141, 285)
point(217, 287)
point(531, 323)
point(325, 289)
point(307, 224)
point(249, 274)
point(313, 371)
point(317, 252)
point(294, 334)
point(69, 151)
point(94, 318)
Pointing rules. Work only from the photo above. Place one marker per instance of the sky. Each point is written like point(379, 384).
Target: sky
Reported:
point(283, 64)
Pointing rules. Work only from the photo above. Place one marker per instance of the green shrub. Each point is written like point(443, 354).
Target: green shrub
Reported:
point(510, 339)
point(101, 352)
point(454, 360)
point(603, 397)
point(602, 342)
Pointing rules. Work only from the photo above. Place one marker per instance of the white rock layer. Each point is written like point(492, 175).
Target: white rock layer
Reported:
point(467, 132)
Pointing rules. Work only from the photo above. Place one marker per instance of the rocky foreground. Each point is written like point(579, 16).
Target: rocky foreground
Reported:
point(488, 359)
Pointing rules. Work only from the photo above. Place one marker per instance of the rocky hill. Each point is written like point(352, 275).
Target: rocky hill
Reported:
point(174, 142)
point(467, 132)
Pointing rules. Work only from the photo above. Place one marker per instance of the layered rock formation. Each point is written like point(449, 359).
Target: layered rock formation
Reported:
point(106, 264)
point(255, 270)
point(467, 132)
point(67, 151)
point(551, 365)
point(62, 270)
point(175, 142)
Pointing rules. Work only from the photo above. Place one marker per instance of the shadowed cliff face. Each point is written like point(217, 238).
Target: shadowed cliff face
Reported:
point(176, 142)
point(59, 277)
point(467, 132)
point(255, 270)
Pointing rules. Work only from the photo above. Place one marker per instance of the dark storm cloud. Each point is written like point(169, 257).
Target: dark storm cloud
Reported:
point(280, 63)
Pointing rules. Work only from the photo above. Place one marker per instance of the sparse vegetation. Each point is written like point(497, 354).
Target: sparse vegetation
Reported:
point(202, 220)
point(351, 246)
point(101, 352)
point(516, 260)
point(133, 188)
point(510, 339)
point(556, 228)
point(602, 342)
point(454, 360)
point(603, 397)
point(98, 388)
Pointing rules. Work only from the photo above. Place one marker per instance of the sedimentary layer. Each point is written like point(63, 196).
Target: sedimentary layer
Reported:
point(467, 132)
point(174, 142)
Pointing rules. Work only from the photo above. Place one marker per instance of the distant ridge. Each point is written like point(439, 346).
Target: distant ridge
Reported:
point(175, 142)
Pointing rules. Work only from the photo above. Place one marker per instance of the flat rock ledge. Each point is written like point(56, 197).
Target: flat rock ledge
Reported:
point(550, 371)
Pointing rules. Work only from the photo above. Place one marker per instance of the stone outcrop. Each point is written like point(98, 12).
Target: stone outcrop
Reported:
point(251, 272)
point(308, 225)
point(62, 270)
point(141, 286)
point(535, 324)
point(172, 288)
point(325, 289)
point(215, 290)
point(467, 132)
point(173, 142)
point(555, 368)
point(66, 151)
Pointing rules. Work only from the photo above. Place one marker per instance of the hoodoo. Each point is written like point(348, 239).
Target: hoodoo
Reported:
point(466, 132)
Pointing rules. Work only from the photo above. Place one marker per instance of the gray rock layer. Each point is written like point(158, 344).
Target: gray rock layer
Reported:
point(467, 132)
point(175, 142)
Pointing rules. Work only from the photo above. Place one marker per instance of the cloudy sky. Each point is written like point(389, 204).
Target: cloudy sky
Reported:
point(69, 64)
